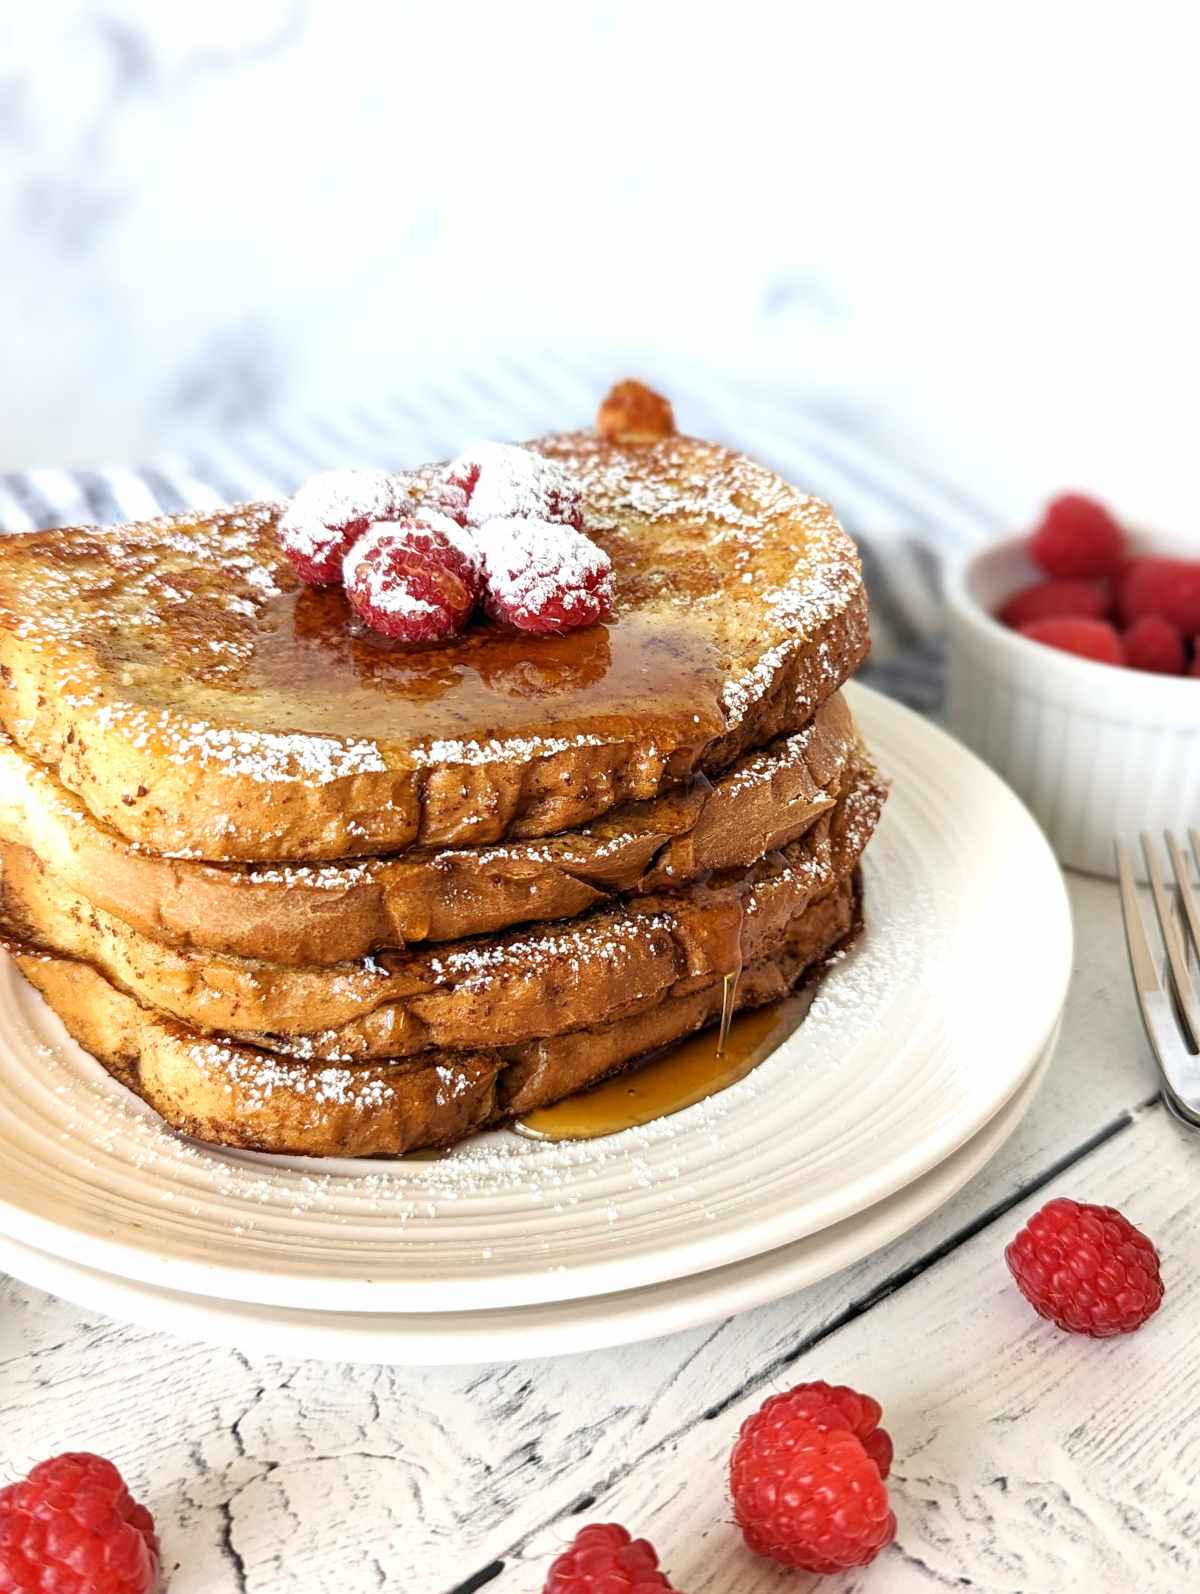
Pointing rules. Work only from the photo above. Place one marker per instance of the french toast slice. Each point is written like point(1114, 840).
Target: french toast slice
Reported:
point(237, 1095)
point(335, 912)
point(487, 991)
point(204, 703)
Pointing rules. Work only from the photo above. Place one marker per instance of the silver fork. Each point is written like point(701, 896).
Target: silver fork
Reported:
point(1172, 1014)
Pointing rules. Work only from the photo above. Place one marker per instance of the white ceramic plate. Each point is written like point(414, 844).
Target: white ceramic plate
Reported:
point(555, 1328)
point(911, 1046)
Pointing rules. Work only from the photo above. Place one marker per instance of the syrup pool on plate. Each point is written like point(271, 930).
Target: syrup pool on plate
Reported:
point(686, 1072)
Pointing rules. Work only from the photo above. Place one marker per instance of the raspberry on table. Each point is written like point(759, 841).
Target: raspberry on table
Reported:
point(806, 1489)
point(1090, 639)
point(828, 1406)
point(411, 579)
point(1049, 600)
point(542, 577)
point(1169, 588)
point(331, 512)
point(1086, 1268)
point(1077, 538)
point(72, 1527)
point(1153, 643)
point(603, 1559)
point(502, 481)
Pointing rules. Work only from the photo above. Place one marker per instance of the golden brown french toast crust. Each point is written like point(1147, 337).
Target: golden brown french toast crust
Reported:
point(331, 912)
point(204, 702)
point(488, 991)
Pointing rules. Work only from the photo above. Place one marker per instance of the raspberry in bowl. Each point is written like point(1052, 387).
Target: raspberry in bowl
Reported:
point(1073, 663)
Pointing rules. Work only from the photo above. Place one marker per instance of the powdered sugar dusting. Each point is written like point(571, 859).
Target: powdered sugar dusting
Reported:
point(338, 498)
point(530, 563)
point(573, 946)
point(390, 596)
point(394, 598)
point(408, 579)
point(460, 537)
point(260, 1076)
point(257, 755)
point(504, 480)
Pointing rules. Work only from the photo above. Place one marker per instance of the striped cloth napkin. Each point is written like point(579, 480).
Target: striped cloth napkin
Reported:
point(903, 521)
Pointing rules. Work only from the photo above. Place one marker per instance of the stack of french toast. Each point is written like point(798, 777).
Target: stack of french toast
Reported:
point(309, 889)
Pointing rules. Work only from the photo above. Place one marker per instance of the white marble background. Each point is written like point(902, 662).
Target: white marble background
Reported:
point(973, 224)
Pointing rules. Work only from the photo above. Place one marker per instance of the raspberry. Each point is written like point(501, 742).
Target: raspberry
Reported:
point(804, 1494)
point(542, 577)
point(1153, 643)
point(462, 539)
point(1086, 1268)
point(501, 481)
point(829, 1406)
point(331, 512)
point(633, 414)
point(1048, 600)
point(71, 1527)
point(1090, 639)
point(1169, 588)
point(454, 497)
point(410, 579)
point(603, 1559)
point(1077, 538)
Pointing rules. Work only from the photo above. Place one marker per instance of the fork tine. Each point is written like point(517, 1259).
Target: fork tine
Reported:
point(1191, 910)
point(1180, 977)
point(1140, 960)
point(1179, 1071)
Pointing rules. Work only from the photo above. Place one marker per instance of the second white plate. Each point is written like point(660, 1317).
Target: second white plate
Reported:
point(910, 1048)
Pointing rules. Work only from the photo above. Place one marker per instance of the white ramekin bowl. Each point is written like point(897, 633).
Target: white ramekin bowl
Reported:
point(1095, 751)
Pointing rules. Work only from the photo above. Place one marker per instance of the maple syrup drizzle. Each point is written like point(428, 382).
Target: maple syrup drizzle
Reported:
point(728, 997)
point(723, 937)
point(660, 672)
point(686, 1072)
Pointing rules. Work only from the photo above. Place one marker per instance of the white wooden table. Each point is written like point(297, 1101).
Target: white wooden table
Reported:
point(1027, 1461)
